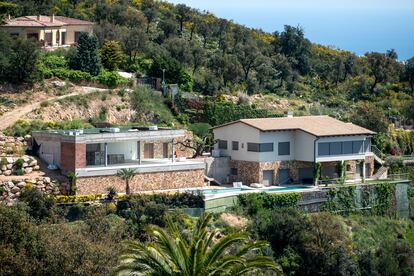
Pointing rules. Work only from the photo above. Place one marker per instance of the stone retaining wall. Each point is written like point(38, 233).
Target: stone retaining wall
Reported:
point(142, 182)
point(252, 172)
point(10, 190)
point(10, 146)
point(8, 167)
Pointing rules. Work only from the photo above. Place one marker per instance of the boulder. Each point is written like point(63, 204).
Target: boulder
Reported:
point(25, 165)
point(7, 173)
point(58, 84)
point(10, 160)
point(3, 167)
point(46, 179)
point(33, 163)
point(36, 168)
point(21, 184)
point(26, 158)
point(28, 170)
point(9, 166)
point(15, 189)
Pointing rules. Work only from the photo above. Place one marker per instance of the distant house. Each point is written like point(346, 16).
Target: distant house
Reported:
point(274, 151)
point(96, 155)
point(51, 31)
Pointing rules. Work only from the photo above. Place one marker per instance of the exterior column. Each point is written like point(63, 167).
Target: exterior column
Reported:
point(106, 154)
point(53, 38)
point(139, 152)
point(364, 173)
point(173, 150)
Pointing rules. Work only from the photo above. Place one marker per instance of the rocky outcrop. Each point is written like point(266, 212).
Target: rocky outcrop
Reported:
point(13, 146)
point(11, 190)
point(8, 165)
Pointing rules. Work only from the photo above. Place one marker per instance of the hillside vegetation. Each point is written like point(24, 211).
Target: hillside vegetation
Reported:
point(213, 57)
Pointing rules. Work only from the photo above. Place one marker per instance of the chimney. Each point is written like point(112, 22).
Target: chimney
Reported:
point(38, 17)
point(289, 114)
point(52, 18)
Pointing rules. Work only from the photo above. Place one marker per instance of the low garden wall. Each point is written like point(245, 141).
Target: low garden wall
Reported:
point(18, 165)
point(10, 190)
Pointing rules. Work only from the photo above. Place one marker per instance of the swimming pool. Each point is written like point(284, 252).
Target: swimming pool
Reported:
point(240, 190)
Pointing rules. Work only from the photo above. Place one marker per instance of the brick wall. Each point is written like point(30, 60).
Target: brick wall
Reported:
point(72, 156)
point(142, 182)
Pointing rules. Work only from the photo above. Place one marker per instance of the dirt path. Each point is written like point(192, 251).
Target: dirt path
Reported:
point(9, 118)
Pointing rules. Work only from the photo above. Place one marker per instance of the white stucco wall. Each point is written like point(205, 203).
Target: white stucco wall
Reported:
point(304, 144)
point(128, 148)
point(277, 137)
point(243, 134)
point(70, 32)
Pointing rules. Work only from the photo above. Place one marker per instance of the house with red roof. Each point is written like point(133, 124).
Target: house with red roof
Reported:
point(52, 31)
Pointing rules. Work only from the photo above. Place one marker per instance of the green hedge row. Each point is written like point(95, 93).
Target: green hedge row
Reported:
point(254, 202)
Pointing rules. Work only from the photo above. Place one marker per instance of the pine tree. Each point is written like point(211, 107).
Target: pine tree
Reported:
point(111, 55)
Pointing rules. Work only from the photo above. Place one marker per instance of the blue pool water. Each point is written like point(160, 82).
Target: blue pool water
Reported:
point(234, 190)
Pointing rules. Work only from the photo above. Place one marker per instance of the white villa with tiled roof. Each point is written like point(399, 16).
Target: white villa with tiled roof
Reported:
point(51, 31)
point(274, 151)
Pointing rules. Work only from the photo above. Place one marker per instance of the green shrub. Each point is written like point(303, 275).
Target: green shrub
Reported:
point(111, 79)
point(255, 202)
point(83, 198)
point(40, 206)
point(75, 76)
point(200, 129)
point(54, 62)
point(18, 164)
point(44, 104)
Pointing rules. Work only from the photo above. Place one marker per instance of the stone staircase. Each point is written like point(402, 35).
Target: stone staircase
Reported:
point(382, 173)
point(379, 157)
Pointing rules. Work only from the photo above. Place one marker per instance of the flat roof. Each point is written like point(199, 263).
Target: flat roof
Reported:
point(44, 21)
point(92, 135)
point(319, 126)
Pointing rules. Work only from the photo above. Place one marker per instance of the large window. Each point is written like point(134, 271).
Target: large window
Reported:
point(222, 144)
point(263, 147)
point(235, 145)
point(95, 154)
point(284, 148)
point(340, 148)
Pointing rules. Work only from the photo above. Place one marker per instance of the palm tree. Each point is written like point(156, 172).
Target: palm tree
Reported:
point(126, 175)
point(200, 254)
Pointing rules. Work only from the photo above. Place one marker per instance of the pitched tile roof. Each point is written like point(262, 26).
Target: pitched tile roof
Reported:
point(319, 126)
point(44, 21)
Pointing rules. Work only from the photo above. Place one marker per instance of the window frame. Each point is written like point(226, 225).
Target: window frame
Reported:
point(235, 145)
point(221, 144)
point(279, 148)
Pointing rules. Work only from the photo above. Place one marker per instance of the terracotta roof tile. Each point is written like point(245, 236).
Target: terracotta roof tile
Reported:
point(316, 125)
point(44, 21)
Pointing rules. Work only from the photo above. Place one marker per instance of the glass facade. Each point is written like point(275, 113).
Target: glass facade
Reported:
point(342, 148)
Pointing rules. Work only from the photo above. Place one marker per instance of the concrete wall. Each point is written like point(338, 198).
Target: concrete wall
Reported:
point(218, 168)
point(50, 150)
point(142, 182)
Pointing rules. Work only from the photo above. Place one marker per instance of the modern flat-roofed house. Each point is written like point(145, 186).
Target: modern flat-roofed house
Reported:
point(275, 151)
point(96, 155)
point(51, 31)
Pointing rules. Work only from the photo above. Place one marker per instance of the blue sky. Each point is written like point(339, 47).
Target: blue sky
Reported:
point(356, 25)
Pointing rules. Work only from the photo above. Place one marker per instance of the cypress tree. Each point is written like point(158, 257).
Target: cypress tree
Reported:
point(86, 58)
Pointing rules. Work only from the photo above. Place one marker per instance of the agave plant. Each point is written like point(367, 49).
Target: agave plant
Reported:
point(201, 253)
